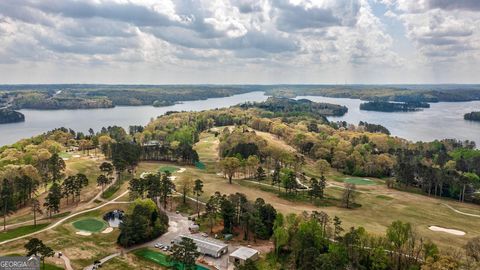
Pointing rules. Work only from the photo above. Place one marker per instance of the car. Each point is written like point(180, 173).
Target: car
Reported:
point(165, 248)
point(157, 245)
point(204, 235)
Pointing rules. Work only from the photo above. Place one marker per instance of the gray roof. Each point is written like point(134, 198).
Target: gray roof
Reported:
point(204, 243)
point(244, 253)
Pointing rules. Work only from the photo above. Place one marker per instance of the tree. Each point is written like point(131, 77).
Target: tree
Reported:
point(35, 204)
point(6, 195)
point(260, 174)
point(36, 247)
point(107, 168)
point(288, 180)
point(322, 166)
point(185, 253)
point(56, 165)
point(102, 181)
point(198, 190)
point(52, 201)
point(473, 248)
point(185, 186)
point(337, 223)
point(166, 188)
point(230, 166)
point(142, 222)
point(349, 194)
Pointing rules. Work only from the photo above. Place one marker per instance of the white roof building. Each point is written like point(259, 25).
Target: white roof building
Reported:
point(242, 254)
point(206, 246)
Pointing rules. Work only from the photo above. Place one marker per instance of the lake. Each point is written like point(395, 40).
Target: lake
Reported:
point(40, 121)
point(441, 120)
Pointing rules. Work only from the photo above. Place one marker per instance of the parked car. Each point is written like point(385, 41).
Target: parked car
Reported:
point(204, 234)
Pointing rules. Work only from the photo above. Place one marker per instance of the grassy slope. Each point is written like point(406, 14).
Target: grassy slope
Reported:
point(380, 206)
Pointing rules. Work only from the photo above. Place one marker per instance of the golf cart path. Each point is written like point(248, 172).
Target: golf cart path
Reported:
point(66, 218)
point(460, 212)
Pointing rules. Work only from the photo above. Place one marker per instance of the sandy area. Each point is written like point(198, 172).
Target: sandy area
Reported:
point(108, 230)
point(76, 156)
point(65, 158)
point(82, 233)
point(450, 231)
point(173, 177)
point(181, 170)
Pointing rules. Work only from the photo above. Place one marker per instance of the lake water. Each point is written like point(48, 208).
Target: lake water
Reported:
point(40, 121)
point(441, 120)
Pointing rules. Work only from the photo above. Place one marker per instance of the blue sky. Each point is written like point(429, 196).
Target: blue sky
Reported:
point(239, 41)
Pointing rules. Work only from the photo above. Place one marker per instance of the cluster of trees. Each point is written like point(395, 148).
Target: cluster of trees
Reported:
point(253, 218)
point(445, 168)
point(142, 222)
point(473, 116)
point(156, 186)
point(10, 116)
point(317, 241)
point(383, 106)
point(36, 247)
point(285, 107)
point(373, 128)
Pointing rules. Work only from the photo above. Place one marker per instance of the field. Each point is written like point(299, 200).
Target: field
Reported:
point(90, 225)
point(19, 231)
point(358, 181)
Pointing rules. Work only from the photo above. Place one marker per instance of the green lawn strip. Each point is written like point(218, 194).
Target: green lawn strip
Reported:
point(161, 259)
point(358, 181)
point(90, 225)
point(51, 267)
point(13, 233)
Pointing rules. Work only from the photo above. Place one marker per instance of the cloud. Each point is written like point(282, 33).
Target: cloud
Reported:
point(469, 5)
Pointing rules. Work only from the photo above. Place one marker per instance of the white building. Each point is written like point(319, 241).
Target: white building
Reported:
point(206, 246)
point(242, 254)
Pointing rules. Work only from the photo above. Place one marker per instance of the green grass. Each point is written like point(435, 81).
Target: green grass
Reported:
point(170, 169)
point(359, 181)
point(161, 259)
point(13, 233)
point(384, 197)
point(110, 191)
point(90, 225)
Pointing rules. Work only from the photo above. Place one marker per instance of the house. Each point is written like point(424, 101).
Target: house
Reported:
point(242, 254)
point(205, 245)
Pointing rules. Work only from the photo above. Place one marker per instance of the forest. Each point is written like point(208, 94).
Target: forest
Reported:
point(399, 93)
point(383, 106)
point(86, 96)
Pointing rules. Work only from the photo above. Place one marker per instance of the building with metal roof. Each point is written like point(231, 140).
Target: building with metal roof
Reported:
point(242, 254)
point(205, 245)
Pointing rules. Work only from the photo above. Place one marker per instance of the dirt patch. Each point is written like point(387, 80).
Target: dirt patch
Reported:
point(450, 231)
point(181, 170)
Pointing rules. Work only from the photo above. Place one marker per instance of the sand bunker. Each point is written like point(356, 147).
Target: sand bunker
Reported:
point(450, 231)
point(220, 174)
point(82, 233)
point(76, 156)
point(108, 230)
point(181, 170)
point(65, 158)
point(173, 177)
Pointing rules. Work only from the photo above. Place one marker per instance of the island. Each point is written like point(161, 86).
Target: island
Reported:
point(384, 106)
point(472, 116)
point(10, 116)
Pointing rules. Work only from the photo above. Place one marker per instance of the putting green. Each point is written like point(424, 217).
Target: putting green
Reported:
point(170, 169)
point(90, 225)
point(358, 181)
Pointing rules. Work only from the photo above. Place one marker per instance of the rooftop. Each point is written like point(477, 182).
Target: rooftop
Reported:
point(244, 253)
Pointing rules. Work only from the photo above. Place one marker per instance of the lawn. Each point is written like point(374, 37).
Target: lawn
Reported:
point(13, 233)
point(358, 181)
point(161, 259)
point(90, 225)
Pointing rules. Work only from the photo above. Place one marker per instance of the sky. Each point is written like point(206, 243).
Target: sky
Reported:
point(240, 41)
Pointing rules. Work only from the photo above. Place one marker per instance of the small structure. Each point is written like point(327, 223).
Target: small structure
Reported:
point(242, 254)
point(194, 228)
point(206, 246)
